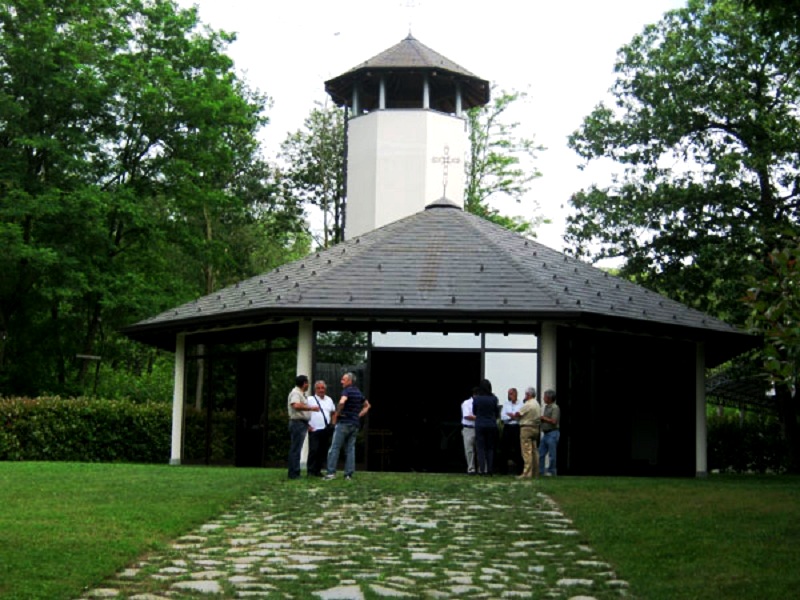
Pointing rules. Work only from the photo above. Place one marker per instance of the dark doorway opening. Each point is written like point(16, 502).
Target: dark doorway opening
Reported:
point(415, 422)
point(251, 411)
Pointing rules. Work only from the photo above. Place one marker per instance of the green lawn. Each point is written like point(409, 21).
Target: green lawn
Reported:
point(718, 538)
point(66, 527)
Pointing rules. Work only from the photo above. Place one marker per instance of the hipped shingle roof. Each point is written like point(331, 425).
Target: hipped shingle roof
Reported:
point(445, 264)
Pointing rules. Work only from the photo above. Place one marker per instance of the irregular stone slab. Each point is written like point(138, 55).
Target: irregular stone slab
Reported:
point(593, 563)
point(350, 592)
point(208, 575)
point(573, 582)
point(204, 587)
point(103, 593)
point(425, 556)
point(172, 570)
point(129, 573)
point(389, 593)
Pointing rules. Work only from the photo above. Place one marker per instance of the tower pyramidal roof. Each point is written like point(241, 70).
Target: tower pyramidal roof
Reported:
point(414, 56)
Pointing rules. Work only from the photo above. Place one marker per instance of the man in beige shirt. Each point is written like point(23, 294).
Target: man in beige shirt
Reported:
point(298, 408)
point(528, 416)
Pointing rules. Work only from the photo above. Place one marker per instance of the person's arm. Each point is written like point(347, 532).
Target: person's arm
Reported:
point(304, 406)
point(332, 414)
point(340, 406)
point(364, 409)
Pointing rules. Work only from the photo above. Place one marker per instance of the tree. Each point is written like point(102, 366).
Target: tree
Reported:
point(706, 126)
point(779, 15)
point(316, 157)
point(124, 133)
point(500, 162)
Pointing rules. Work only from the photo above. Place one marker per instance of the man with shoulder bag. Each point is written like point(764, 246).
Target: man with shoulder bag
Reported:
point(320, 429)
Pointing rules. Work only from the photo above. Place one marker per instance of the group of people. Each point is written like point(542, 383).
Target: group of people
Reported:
point(529, 432)
point(330, 427)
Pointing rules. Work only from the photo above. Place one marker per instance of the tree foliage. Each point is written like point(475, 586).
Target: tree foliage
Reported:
point(706, 127)
point(315, 157)
point(125, 141)
point(775, 312)
point(500, 162)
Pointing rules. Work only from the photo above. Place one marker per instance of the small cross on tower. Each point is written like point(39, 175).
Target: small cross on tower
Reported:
point(445, 160)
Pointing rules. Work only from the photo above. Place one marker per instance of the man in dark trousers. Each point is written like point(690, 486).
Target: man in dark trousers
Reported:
point(320, 429)
point(352, 406)
point(486, 408)
point(298, 423)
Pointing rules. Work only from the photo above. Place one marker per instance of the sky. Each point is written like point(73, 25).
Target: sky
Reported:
point(560, 53)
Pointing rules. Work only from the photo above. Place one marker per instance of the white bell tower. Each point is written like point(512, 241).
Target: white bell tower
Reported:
point(407, 134)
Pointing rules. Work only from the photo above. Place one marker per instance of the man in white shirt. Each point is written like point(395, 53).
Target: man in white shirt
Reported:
point(468, 434)
point(320, 429)
point(509, 444)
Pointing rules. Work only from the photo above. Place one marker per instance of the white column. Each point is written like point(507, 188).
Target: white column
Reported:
point(426, 93)
point(305, 343)
point(701, 436)
point(355, 109)
point(177, 400)
point(382, 93)
point(547, 357)
point(459, 108)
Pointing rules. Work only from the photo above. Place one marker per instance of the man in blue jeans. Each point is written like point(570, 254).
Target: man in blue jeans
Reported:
point(352, 406)
point(551, 418)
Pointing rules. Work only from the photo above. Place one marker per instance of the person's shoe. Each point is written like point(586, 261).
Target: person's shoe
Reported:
point(348, 477)
point(329, 476)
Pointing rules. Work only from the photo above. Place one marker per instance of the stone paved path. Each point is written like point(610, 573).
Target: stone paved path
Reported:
point(428, 547)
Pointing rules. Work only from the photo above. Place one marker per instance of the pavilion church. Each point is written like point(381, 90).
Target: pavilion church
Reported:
point(423, 300)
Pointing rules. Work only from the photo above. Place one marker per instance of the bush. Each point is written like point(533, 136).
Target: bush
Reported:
point(750, 445)
point(84, 430)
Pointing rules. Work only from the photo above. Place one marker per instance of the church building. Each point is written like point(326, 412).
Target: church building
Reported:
point(423, 300)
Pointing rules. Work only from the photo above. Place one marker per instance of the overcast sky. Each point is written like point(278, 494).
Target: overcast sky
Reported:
point(561, 52)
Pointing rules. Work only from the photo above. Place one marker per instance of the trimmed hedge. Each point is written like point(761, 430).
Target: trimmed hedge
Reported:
point(84, 430)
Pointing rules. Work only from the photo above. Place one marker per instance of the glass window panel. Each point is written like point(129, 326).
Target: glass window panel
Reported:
point(425, 339)
point(512, 341)
point(511, 369)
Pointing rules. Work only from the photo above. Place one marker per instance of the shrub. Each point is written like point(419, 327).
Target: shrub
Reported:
point(752, 444)
point(85, 430)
